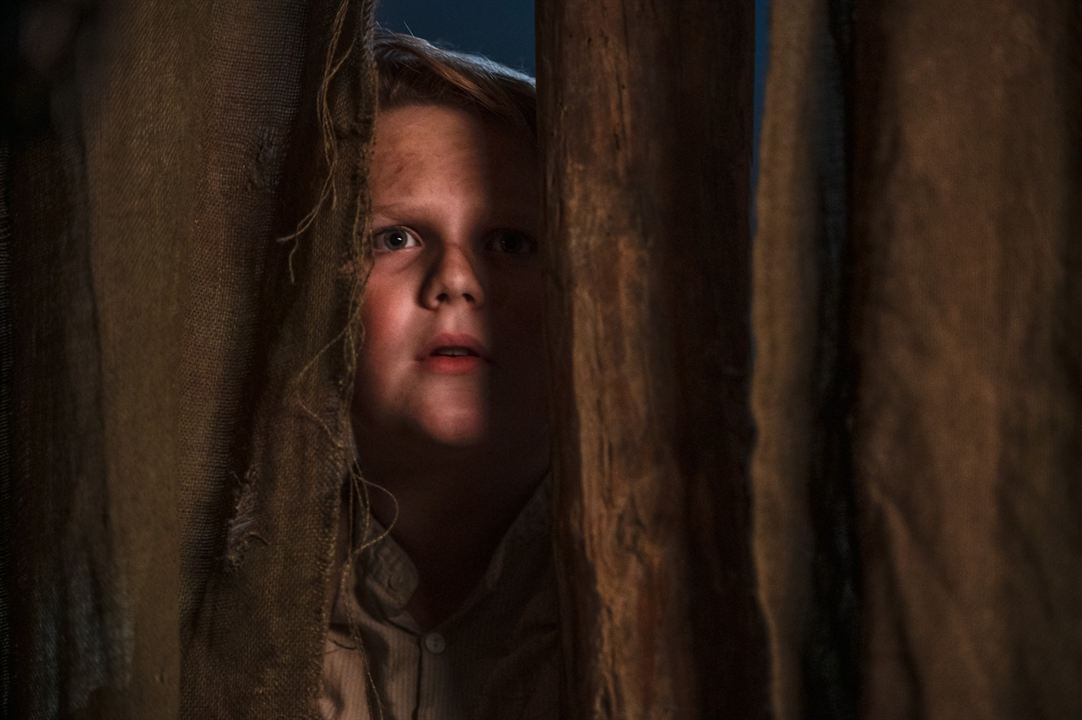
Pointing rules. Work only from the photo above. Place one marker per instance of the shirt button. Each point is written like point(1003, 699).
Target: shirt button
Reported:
point(435, 643)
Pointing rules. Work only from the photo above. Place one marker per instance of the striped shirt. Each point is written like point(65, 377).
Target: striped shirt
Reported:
point(495, 658)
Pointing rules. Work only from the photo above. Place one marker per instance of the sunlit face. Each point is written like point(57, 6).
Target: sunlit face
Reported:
point(452, 354)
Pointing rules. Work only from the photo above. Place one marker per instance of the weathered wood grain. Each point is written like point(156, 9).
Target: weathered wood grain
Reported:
point(646, 126)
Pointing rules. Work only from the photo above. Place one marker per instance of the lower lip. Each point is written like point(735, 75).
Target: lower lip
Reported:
point(452, 365)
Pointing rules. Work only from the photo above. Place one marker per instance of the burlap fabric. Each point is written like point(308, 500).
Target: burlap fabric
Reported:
point(918, 321)
point(177, 410)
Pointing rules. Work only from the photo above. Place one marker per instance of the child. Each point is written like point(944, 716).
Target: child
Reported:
point(450, 611)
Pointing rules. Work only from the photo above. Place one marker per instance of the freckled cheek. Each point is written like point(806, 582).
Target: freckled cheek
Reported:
point(385, 344)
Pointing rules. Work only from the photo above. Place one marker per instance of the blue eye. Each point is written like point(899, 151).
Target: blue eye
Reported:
point(396, 238)
point(511, 242)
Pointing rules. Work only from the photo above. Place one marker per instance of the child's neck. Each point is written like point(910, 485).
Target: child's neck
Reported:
point(451, 516)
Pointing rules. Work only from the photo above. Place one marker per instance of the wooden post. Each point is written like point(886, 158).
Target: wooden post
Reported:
point(646, 128)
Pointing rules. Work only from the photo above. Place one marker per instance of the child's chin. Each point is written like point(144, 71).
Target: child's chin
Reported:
point(457, 430)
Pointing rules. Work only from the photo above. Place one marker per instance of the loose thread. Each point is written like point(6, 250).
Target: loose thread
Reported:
point(331, 66)
point(359, 275)
point(359, 498)
point(352, 334)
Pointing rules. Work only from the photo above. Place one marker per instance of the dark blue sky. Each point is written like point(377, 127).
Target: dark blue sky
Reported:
point(500, 29)
point(504, 30)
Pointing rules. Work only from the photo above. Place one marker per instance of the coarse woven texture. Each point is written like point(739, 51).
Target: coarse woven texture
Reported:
point(179, 380)
point(918, 323)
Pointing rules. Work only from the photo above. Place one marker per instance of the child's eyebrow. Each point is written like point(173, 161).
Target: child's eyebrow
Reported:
point(392, 207)
point(405, 211)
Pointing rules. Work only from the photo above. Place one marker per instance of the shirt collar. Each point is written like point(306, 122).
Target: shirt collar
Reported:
point(389, 577)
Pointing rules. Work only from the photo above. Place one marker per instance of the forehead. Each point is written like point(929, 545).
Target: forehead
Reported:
point(425, 151)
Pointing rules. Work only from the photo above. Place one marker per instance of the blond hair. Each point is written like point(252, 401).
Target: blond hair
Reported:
point(413, 71)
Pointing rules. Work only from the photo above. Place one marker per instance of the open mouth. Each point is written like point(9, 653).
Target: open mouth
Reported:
point(454, 347)
point(455, 354)
point(453, 351)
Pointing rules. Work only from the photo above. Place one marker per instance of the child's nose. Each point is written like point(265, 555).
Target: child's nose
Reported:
point(453, 279)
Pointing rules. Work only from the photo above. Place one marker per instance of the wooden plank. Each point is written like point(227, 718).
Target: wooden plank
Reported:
point(646, 130)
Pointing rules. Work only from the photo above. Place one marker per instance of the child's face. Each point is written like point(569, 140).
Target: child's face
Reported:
point(452, 351)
